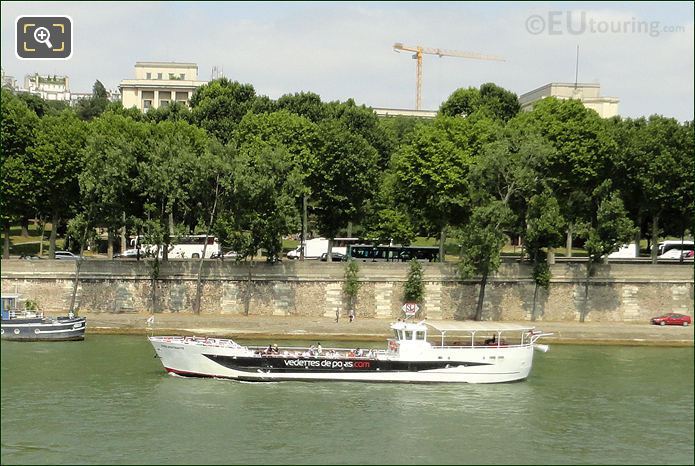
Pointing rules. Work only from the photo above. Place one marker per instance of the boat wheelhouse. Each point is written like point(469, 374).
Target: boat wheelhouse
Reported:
point(464, 352)
point(31, 325)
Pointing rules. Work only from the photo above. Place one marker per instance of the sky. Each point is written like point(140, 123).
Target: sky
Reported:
point(640, 52)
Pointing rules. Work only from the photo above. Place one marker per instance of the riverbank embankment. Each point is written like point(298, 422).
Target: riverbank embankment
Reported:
point(323, 328)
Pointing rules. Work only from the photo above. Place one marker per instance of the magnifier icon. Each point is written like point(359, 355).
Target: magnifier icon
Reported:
point(43, 36)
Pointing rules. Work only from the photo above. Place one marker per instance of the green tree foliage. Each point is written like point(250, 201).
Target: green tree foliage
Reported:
point(414, 287)
point(344, 179)
point(115, 146)
point(362, 120)
point(176, 170)
point(220, 105)
point(490, 100)
point(57, 161)
point(431, 174)
point(18, 130)
point(657, 163)
point(175, 111)
point(482, 239)
point(352, 284)
point(266, 184)
point(306, 104)
point(94, 106)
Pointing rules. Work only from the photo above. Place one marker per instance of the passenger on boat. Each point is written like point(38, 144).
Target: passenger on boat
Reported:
point(319, 350)
point(491, 341)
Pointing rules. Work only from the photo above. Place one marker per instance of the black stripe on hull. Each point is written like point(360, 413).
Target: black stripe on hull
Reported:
point(326, 366)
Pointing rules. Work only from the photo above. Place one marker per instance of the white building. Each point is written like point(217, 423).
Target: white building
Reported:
point(588, 94)
point(160, 83)
point(48, 87)
point(387, 112)
point(8, 81)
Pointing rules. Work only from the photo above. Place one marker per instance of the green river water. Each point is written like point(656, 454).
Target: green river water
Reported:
point(108, 400)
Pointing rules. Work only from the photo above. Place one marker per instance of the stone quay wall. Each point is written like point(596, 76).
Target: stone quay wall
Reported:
point(617, 292)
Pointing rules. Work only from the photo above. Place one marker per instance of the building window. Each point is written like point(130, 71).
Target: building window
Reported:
point(146, 104)
point(163, 103)
point(181, 76)
point(159, 75)
point(171, 76)
point(149, 75)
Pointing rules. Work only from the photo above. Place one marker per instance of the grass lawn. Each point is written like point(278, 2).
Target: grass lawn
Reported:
point(31, 244)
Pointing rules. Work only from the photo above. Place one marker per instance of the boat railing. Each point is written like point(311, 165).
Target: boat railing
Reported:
point(25, 314)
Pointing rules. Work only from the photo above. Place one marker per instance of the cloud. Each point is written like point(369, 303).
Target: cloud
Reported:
point(344, 50)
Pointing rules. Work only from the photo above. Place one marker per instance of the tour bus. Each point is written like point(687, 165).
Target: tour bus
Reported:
point(667, 245)
point(392, 253)
point(182, 247)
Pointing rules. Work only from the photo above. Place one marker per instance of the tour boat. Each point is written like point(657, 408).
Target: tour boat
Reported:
point(31, 325)
point(464, 352)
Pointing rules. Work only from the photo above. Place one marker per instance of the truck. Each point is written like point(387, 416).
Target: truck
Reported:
point(313, 248)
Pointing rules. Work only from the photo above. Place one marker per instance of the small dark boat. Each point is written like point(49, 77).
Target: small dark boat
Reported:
point(31, 325)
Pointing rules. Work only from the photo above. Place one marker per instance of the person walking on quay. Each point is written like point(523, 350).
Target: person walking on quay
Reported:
point(337, 315)
point(352, 315)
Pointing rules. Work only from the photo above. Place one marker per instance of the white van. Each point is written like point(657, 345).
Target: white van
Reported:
point(626, 251)
point(318, 246)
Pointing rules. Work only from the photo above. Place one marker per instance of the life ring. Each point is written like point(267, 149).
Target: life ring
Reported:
point(37, 331)
point(393, 346)
point(16, 331)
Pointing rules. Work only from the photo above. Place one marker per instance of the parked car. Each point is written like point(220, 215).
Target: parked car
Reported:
point(67, 255)
point(672, 319)
point(224, 255)
point(30, 257)
point(335, 257)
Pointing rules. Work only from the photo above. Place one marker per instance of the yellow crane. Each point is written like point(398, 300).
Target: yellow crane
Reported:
point(419, 51)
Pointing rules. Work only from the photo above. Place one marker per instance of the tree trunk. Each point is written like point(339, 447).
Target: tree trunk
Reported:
point(304, 227)
point(43, 231)
point(330, 250)
point(198, 285)
point(78, 267)
point(55, 221)
point(110, 240)
point(6, 242)
point(349, 230)
point(638, 234)
point(481, 297)
point(535, 297)
point(247, 295)
point(124, 240)
point(25, 227)
point(551, 256)
point(568, 244)
point(655, 237)
point(442, 239)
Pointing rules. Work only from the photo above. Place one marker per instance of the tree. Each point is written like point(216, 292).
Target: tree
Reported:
point(545, 227)
point(114, 147)
point(414, 288)
point(344, 179)
point(610, 227)
point(220, 105)
point(57, 160)
point(94, 106)
point(175, 111)
point(482, 239)
point(17, 134)
point(266, 184)
point(306, 104)
point(582, 156)
point(431, 173)
point(656, 159)
point(352, 285)
point(490, 100)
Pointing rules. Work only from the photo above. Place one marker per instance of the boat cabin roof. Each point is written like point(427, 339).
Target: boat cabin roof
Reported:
point(476, 326)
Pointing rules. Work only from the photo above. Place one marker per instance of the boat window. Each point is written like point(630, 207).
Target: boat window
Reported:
point(408, 334)
point(419, 335)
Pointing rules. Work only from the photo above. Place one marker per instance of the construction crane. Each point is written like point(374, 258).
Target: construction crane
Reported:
point(419, 51)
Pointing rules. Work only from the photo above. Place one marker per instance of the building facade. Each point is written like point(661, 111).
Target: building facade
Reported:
point(588, 94)
point(48, 87)
point(157, 84)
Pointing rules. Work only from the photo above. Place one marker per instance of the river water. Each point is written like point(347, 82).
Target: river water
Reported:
point(108, 400)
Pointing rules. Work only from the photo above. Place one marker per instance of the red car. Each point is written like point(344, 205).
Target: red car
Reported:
point(672, 319)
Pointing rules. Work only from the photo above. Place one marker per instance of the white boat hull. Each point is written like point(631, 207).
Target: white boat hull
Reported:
point(225, 359)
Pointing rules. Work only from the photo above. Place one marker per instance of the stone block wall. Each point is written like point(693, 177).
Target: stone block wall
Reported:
point(616, 292)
